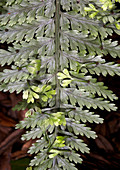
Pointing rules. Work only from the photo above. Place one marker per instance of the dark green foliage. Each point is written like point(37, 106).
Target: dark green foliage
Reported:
point(2, 9)
point(56, 48)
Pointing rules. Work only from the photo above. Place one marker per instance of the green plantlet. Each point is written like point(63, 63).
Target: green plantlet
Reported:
point(56, 49)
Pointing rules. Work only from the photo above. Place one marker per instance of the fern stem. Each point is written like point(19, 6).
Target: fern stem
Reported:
point(57, 51)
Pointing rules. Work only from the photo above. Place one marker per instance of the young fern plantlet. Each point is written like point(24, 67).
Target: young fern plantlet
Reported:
point(55, 53)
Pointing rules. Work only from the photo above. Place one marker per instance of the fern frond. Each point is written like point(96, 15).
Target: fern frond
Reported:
point(12, 87)
point(54, 46)
point(83, 100)
point(106, 68)
point(77, 144)
point(13, 75)
point(38, 146)
point(84, 116)
point(33, 134)
point(64, 163)
point(92, 86)
point(78, 22)
point(78, 128)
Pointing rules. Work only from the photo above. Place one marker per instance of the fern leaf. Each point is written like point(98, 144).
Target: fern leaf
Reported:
point(54, 46)
point(64, 163)
point(80, 128)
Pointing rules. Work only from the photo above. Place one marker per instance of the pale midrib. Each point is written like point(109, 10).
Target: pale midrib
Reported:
point(57, 51)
